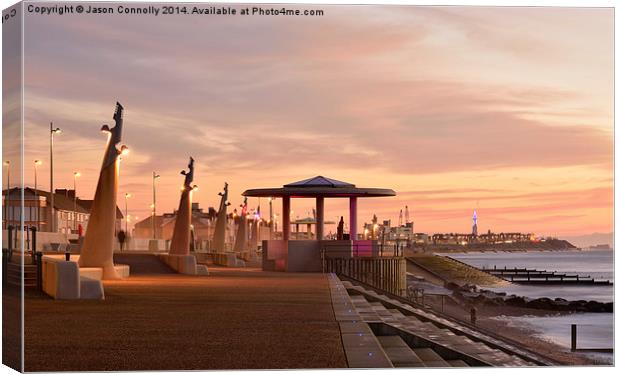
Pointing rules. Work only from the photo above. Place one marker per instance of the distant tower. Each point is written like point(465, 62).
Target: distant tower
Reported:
point(400, 218)
point(474, 228)
point(407, 214)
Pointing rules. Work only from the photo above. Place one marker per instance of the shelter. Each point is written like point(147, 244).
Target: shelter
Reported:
point(305, 255)
point(319, 188)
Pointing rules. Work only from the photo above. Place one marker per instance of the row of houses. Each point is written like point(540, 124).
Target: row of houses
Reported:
point(71, 213)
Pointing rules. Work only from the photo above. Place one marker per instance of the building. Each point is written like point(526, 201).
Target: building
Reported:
point(203, 224)
point(70, 214)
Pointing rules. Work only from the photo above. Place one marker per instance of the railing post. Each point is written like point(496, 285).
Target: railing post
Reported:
point(5, 262)
point(34, 243)
point(573, 337)
point(39, 271)
point(10, 238)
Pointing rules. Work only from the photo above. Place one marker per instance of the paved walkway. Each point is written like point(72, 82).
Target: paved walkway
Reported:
point(231, 319)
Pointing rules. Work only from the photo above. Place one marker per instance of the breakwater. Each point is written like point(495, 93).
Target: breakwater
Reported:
point(543, 277)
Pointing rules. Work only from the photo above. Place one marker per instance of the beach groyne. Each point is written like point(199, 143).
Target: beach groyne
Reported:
point(544, 277)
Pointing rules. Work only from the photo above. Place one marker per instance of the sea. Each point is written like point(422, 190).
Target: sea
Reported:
point(594, 330)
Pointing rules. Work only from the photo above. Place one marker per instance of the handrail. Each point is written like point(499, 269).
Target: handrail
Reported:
point(388, 273)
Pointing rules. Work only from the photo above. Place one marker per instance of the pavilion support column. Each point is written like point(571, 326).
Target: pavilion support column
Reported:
point(286, 217)
point(320, 217)
point(353, 218)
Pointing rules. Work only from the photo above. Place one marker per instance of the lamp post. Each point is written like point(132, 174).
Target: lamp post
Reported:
point(52, 213)
point(76, 175)
point(127, 196)
point(36, 193)
point(270, 218)
point(7, 199)
point(154, 207)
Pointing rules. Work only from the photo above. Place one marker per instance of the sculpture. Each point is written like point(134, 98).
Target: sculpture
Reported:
point(219, 234)
point(241, 238)
point(98, 248)
point(180, 243)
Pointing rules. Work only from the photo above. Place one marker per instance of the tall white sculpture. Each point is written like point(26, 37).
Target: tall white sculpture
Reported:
point(179, 244)
point(98, 248)
point(219, 234)
point(241, 240)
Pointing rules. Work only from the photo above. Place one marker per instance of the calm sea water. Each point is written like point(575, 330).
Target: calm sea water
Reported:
point(594, 330)
point(597, 264)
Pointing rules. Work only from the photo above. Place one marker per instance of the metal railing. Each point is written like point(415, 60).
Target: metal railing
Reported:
point(384, 273)
point(30, 245)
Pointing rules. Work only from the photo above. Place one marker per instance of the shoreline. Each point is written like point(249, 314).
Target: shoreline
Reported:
point(526, 336)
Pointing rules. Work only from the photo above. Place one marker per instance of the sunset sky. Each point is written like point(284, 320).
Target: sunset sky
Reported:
point(508, 111)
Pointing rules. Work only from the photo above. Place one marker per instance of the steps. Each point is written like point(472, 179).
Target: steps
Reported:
point(361, 347)
point(430, 358)
point(399, 352)
point(416, 337)
point(14, 275)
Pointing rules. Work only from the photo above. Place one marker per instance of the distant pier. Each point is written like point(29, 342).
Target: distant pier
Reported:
point(543, 277)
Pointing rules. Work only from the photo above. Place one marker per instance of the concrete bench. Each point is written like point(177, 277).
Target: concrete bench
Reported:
point(65, 280)
point(61, 279)
point(202, 269)
point(91, 289)
point(228, 259)
point(184, 264)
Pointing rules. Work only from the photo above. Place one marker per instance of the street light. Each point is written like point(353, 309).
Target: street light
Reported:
point(7, 199)
point(52, 213)
point(76, 174)
point(36, 192)
point(154, 206)
point(127, 196)
point(270, 218)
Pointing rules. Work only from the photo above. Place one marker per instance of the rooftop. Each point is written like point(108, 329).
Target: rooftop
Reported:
point(319, 186)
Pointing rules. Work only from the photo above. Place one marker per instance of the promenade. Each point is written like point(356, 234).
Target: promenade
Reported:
point(231, 319)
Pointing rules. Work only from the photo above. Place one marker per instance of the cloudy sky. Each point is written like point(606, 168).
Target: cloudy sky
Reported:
point(504, 110)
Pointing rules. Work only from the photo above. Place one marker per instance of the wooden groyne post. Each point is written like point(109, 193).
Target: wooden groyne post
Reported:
point(573, 337)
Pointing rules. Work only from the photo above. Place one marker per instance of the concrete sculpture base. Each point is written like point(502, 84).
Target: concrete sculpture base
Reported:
point(184, 264)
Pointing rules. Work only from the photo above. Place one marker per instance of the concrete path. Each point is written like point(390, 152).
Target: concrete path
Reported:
point(231, 319)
